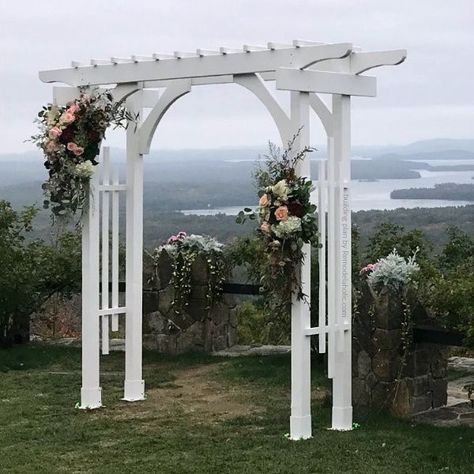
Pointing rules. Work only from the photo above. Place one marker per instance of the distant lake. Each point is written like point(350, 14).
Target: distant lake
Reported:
point(376, 194)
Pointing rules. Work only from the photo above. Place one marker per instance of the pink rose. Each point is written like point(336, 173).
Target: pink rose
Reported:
point(369, 268)
point(50, 146)
point(281, 213)
point(55, 132)
point(265, 227)
point(67, 117)
point(73, 109)
point(78, 151)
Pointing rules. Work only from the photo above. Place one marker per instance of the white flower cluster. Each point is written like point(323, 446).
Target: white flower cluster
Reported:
point(288, 227)
point(201, 243)
point(84, 170)
point(393, 271)
point(280, 190)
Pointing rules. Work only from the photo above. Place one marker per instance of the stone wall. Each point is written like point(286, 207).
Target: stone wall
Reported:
point(390, 371)
point(200, 328)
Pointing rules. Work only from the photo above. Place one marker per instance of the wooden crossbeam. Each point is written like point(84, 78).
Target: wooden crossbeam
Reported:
point(325, 82)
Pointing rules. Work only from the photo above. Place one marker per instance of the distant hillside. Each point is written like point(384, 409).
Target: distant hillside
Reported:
point(429, 155)
point(445, 191)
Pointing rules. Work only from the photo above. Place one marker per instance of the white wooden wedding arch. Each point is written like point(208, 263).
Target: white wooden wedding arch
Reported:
point(305, 69)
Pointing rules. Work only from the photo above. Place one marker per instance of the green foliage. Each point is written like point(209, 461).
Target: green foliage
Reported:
point(449, 293)
point(31, 270)
point(254, 326)
point(388, 236)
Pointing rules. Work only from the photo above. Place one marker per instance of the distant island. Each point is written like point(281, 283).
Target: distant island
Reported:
point(445, 191)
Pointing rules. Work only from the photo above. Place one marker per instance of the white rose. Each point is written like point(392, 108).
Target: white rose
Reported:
point(84, 170)
point(281, 190)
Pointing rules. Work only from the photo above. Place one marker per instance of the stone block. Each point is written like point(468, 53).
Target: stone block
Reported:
point(200, 271)
point(439, 391)
point(364, 364)
point(387, 340)
point(166, 297)
point(164, 270)
point(151, 300)
point(421, 403)
point(382, 395)
point(154, 323)
point(360, 393)
point(150, 342)
point(385, 366)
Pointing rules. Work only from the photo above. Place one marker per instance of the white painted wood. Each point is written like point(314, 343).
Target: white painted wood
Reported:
point(115, 245)
point(324, 329)
point(113, 310)
point(322, 209)
point(255, 84)
point(331, 257)
point(235, 63)
point(113, 187)
point(91, 392)
point(105, 248)
point(322, 112)
point(300, 420)
point(325, 82)
point(169, 96)
point(331, 69)
point(134, 386)
point(361, 62)
point(342, 380)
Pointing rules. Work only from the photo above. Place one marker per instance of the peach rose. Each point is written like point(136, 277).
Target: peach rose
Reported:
point(263, 201)
point(55, 132)
point(67, 117)
point(265, 227)
point(281, 213)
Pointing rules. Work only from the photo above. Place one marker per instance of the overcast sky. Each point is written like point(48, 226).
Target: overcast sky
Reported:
point(431, 95)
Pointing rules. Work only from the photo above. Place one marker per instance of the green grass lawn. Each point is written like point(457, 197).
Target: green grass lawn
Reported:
point(202, 415)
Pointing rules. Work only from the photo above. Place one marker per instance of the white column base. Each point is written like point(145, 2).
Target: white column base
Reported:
point(342, 418)
point(300, 427)
point(91, 398)
point(134, 390)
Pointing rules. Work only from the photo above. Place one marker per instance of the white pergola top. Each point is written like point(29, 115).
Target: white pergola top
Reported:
point(211, 67)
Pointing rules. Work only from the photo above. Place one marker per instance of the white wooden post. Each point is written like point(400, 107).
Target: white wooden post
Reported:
point(342, 379)
point(300, 420)
point(134, 386)
point(105, 248)
point(90, 390)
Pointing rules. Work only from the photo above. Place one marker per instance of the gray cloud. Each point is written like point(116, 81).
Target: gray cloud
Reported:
point(429, 96)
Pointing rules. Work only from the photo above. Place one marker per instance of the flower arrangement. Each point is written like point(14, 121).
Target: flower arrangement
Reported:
point(393, 272)
point(286, 220)
point(184, 250)
point(70, 139)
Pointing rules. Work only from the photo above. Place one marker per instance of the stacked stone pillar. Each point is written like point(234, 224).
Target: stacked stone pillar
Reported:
point(390, 371)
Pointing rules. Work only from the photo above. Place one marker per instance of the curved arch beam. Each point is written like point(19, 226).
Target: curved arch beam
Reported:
point(122, 91)
point(322, 112)
point(255, 84)
point(169, 96)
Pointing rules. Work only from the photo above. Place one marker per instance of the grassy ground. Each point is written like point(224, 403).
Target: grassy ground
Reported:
point(202, 415)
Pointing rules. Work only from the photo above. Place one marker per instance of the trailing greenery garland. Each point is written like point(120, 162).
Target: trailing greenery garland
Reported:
point(184, 250)
point(70, 139)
